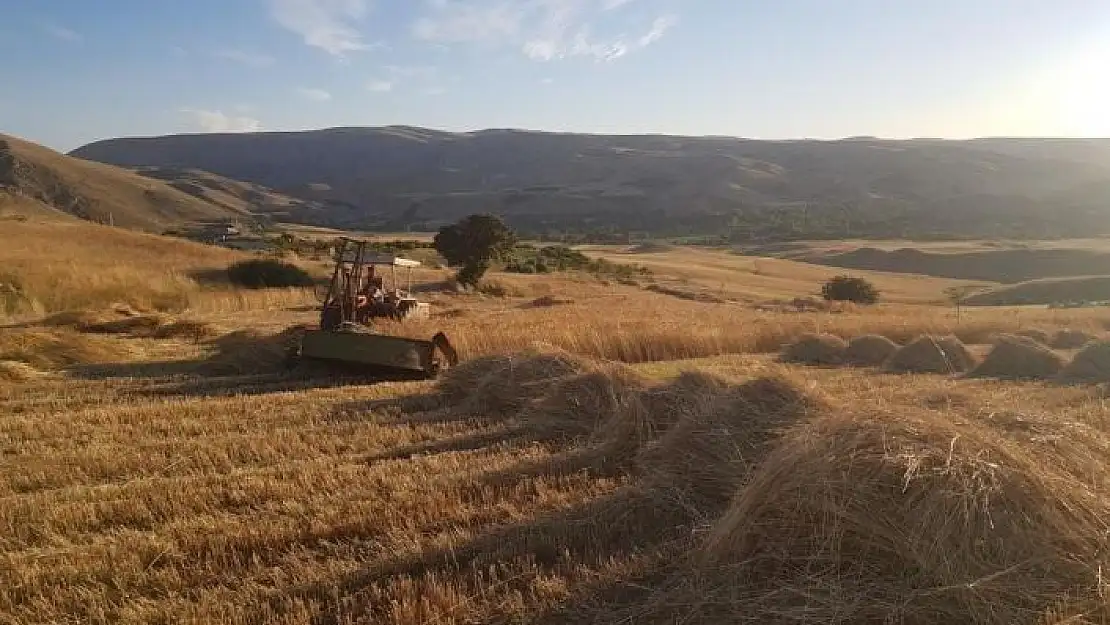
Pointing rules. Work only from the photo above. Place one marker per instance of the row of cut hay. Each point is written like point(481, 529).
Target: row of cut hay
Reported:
point(1061, 339)
point(126, 321)
point(55, 348)
point(1013, 357)
point(925, 354)
point(693, 438)
point(909, 518)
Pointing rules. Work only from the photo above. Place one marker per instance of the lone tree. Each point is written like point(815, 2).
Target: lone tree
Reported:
point(849, 289)
point(472, 244)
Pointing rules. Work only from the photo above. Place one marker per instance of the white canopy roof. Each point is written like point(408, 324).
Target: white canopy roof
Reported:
point(382, 259)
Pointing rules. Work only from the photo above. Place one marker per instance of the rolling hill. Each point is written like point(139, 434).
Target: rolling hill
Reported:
point(403, 177)
point(36, 181)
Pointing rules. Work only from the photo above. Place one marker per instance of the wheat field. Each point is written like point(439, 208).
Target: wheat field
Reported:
point(139, 483)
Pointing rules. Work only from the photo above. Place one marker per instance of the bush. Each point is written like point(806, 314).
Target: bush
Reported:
point(849, 289)
point(263, 273)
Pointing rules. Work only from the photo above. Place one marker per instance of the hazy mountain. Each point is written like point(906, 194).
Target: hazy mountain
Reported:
point(393, 177)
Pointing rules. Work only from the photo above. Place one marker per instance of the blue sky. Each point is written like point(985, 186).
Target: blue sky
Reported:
point(80, 70)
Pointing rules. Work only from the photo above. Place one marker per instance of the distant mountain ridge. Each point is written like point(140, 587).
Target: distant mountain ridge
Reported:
point(398, 177)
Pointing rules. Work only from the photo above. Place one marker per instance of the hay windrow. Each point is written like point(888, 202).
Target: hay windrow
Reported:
point(714, 446)
point(599, 406)
point(870, 350)
point(1090, 364)
point(246, 352)
point(816, 349)
point(14, 371)
point(503, 385)
point(1019, 358)
point(54, 348)
point(909, 518)
point(932, 354)
point(1070, 339)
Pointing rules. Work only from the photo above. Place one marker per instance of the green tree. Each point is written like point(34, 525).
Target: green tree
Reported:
point(849, 289)
point(473, 243)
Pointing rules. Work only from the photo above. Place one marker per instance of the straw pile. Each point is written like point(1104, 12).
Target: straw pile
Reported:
point(712, 450)
point(932, 354)
point(905, 518)
point(1070, 339)
point(51, 348)
point(816, 349)
point(13, 371)
point(504, 385)
point(1019, 358)
point(600, 407)
point(870, 350)
point(1091, 364)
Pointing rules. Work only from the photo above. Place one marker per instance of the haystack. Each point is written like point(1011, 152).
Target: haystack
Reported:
point(1090, 364)
point(601, 408)
point(870, 350)
point(1037, 335)
point(689, 392)
point(932, 354)
point(14, 371)
point(1019, 358)
point(903, 518)
point(1070, 339)
point(816, 349)
point(503, 385)
point(186, 329)
point(712, 450)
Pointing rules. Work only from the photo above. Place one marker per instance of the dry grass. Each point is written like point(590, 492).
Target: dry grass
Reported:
point(537, 484)
point(1019, 358)
point(1070, 339)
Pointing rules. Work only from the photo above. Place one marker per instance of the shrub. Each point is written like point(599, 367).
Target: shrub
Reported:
point(849, 289)
point(263, 273)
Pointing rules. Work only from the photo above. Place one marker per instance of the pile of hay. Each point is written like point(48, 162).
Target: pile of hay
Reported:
point(53, 348)
point(1070, 339)
point(1090, 364)
point(714, 447)
point(186, 329)
point(816, 349)
point(14, 371)
point(870, 350)
point(547, 301)
point(1039, 336)
point(689, 392)
point(904, 518)
point(600, 407)
point(932, 354)
point(503, 385)
point(1019, 358)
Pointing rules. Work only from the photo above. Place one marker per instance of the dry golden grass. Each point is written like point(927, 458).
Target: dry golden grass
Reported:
point(182, 477)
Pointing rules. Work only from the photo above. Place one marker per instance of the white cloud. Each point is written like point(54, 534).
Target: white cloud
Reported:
point(331, 25)
point(543, 30)
point(250, 59)
point(379, 86)
point(61, 32)
point(318, 95)
point(217, 121)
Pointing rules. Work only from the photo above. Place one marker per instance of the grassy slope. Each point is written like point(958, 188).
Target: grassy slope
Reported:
point(68, 264)
point(96, 191)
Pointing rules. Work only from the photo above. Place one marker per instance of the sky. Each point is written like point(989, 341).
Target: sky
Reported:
point(76, 71)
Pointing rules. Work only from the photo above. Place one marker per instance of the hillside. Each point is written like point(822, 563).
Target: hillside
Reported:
point(241, 197)
point(38, 181)
point(412, 178)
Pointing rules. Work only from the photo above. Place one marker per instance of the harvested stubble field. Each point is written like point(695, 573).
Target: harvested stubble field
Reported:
point(689, 477)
